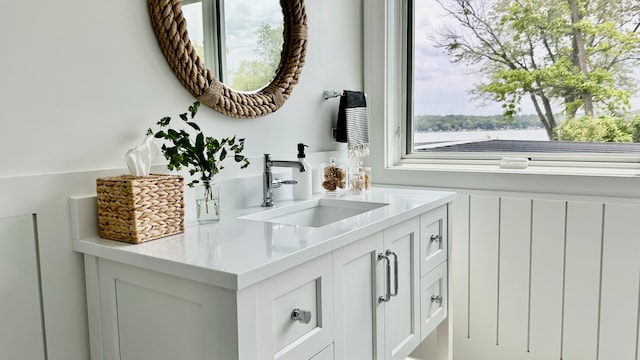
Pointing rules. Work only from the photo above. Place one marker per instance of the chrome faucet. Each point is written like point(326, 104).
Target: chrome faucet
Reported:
point(269, 183)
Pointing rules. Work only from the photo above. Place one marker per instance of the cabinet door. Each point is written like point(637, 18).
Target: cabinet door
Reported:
point(149, 315)
point(402, 311)
point(433, 299)
point(359, 320)
point(433, 242)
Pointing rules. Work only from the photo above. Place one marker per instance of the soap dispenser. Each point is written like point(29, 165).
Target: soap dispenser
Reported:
point(302, 190)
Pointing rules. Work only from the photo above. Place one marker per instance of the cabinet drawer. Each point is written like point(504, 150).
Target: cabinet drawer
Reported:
point(305, 292)
point(433, 299)
point(433, 239)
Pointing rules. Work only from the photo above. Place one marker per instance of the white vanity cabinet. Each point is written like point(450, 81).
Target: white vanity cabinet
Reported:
point(371, 286)
point(384, 307)
point(144, 314)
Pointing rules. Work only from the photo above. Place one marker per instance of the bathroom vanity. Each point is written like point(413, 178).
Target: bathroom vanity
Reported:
point(350, 277)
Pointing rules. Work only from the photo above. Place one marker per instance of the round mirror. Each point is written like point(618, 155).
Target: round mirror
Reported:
point(170, 27)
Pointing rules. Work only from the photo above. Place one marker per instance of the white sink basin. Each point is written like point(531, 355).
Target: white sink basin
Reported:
point(315, 213)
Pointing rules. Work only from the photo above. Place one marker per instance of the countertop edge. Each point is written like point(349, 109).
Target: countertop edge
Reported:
point(188, 271)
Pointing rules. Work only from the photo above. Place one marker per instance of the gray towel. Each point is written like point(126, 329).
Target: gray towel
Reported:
point(353, 123)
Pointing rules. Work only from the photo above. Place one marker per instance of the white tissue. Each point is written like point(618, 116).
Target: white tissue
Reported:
point(139, 158)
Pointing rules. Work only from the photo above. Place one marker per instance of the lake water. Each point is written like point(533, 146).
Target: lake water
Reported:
point(530, 134)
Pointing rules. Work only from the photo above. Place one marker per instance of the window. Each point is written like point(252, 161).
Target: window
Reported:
point(488, 79)
point(240, 41)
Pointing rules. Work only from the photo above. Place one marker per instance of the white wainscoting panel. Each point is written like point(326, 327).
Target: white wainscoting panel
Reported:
point(21, 328)
point(582, 281)
point(620, 276)
point(545, 277)
point(483, 268)
point(547, 262)
point(513, 276)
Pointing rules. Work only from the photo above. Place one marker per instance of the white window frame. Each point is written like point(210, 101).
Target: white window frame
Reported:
point(385, 75)
point(213, 24)
point(562, 159)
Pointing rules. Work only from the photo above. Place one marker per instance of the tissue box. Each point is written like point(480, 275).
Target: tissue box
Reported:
point(136, 209)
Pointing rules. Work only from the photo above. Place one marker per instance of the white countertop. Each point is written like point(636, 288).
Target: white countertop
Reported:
point(236, 253)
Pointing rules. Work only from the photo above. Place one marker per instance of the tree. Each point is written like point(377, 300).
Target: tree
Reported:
point(254, 74)
point(578, 54)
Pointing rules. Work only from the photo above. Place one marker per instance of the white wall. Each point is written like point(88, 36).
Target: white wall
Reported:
point(82, 80)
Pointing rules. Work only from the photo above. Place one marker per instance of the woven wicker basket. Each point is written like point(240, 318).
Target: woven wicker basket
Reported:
point(136, 209)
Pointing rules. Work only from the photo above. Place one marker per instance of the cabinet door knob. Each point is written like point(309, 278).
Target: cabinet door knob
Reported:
point(437, 238)
point(436, 299)
point(299, 315)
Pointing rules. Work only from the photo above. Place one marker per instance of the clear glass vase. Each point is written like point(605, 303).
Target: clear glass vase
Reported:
point(207, 201)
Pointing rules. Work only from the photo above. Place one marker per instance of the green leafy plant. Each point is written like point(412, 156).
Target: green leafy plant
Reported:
point(199, 153)
point(603, 128)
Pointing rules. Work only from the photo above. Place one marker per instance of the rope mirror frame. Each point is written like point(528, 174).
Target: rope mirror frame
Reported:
point(170, 28)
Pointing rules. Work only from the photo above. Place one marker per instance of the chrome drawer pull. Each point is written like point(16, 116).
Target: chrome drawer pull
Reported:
point(437, 238)
point(387, 290)
point(436, 299)
point(395, 271)
point(302, 316)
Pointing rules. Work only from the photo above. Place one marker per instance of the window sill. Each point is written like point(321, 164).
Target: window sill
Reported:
point(591, 169)
point(595, 180)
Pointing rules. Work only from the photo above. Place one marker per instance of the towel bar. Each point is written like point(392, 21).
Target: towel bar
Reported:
point(328, 94)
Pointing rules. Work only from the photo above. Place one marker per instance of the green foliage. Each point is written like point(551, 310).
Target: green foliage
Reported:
point(635, 126)
point(432, 123)
point(252, 75)
point(269, 44)
point(255, 74)
point(198, 153)
point(600, 129)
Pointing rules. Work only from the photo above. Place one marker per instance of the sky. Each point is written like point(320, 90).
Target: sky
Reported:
point(442, 87)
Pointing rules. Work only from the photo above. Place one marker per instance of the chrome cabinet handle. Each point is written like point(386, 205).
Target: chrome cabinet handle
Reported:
point(436, 299)
point(302, 316)
point(395, 271)
point(387, 290)
point(437, 238)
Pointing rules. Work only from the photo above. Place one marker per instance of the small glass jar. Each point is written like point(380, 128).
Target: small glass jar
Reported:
point(207, 201)
point(334, 177)
point(356, 181)
point(367, 177)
